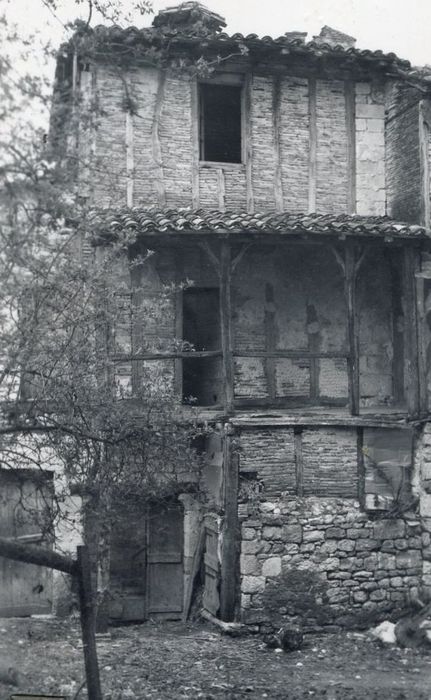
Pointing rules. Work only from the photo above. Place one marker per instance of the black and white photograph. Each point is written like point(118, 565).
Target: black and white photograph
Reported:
point(215, 350)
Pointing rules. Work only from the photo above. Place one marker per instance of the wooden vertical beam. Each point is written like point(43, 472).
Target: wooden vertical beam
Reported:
point(129, 159)
point(229, 563)
point(276, 112)
point(155, 137)
point(397, 327)
point(312, 154)
point(361, 466)
point(424, 136)
point(422, 344)
point(352, 326)
point(350, 104)
point(179, 330)
point(411, 362)
point(226, 325)
point(248, 146)
point(194, 136)
point(221, 191)
point(299, 462)
point(270, 340)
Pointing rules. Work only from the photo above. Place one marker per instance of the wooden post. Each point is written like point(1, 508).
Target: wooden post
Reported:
point(299, 462)
point(229, 563)
point(248, 146)
point(361, 466)
point(88, 623)
point(397, 327)
point(352, 327)
point(312, 155)
point(226, 325)
point(422, 345)
point(349, 96)
point(270, 340)
point(424, 130)
point(276, 112)
point(129, 159)
point(411, 363)
point(195, 147)
point(155, 139)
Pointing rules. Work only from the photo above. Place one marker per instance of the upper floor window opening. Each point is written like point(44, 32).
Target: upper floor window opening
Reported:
point(220, 123)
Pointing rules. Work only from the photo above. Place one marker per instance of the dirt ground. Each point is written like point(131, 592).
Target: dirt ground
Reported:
point(170, 661)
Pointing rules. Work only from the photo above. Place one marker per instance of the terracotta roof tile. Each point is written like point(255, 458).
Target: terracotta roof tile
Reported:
point(106, 224)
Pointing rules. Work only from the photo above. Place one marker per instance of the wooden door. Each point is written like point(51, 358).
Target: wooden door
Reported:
point(147, 563)
point(165, 574)
point(25, 589)
point(211, 597)
point(128, 565)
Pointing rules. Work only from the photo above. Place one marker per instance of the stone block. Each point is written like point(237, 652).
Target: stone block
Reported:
point(409, 560)
point(386, 561)
point(378, 595)
point(363, 574)
point(253, 584)
point(370, 563)
point(359, 596)
point(331, 564)
point(397, 582)
point(425, 505)
point(272, 566)
point(370, 111)
point(292, 534)
point(366, 545)
point(249, 564)
point(272, 533)
point(313, 536)
point(389, 529)
point(357, 534)
point(337, 595)
point(266, 507)
point(400, 544)
point(245, 601)
point(376, 125)
point(346, 545)
point(335, 533)
point(250, 546)
point(248, 533)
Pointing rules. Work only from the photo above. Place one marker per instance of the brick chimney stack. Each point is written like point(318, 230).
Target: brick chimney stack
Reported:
point(333, 37)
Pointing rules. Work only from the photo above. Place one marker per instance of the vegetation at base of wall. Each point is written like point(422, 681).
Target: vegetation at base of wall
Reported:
point(300, 594)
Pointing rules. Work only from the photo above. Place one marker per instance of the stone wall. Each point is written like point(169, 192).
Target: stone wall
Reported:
point(370, 149)
point(366, 567)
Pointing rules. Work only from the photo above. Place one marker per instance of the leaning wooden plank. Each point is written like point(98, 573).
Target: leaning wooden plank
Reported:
point(234, 629)
point(197, 559)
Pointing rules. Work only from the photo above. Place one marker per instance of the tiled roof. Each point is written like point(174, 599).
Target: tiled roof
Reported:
point(106, 224)
point(198, 40)
point(134, 38)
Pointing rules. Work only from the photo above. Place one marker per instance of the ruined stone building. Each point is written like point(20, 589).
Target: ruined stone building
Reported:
point(289, 180)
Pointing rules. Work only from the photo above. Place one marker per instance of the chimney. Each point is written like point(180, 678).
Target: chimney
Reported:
point(333, 37)
point(294, 36)
point(189, 16)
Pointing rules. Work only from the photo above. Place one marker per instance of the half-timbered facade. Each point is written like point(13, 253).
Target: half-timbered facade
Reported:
point(288, 181)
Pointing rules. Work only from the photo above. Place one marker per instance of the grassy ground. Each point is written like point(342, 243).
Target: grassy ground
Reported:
point(170, 661)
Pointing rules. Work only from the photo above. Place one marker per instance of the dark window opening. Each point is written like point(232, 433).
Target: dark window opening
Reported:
point(220, 123)
point(201, 328)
